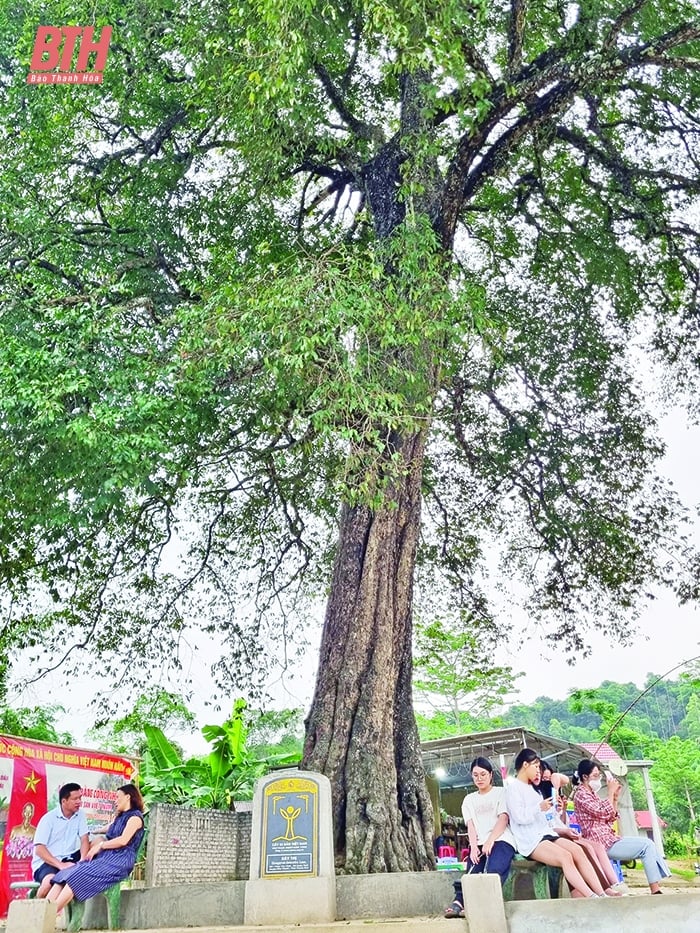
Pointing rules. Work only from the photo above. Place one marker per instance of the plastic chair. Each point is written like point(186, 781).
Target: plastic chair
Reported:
point(31, 887)
point(447, 852)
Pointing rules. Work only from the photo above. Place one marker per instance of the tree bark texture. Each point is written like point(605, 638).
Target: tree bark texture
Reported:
point(361, 731)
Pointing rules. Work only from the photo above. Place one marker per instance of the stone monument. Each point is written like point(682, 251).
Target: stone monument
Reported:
point(292, 873)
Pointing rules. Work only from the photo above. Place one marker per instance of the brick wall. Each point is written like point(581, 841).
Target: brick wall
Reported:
point(186, 845)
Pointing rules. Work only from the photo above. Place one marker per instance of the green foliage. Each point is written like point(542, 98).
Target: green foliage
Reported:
point(677, 845)
point(676, 781)
point(454, 668)
point(214, 781)
point(440, 725)
point(623, 736)
point(36, 722)
point(276, 732)
point(154, 707)
point(281, 239)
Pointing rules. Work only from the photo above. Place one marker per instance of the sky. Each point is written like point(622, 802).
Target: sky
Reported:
point(667, 633)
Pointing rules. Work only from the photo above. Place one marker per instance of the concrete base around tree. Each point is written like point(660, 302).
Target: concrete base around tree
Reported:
point(405, 894)
point(184, 905)
point(416, 895)
point(679, 913)
point(289, 900)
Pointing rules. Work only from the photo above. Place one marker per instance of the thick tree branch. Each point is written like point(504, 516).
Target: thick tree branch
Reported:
point(516, 28)
point(622, 169)
point(622, 20)
point(361, 129)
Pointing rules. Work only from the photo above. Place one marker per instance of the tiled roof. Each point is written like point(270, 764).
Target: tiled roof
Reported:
point(643, 818)
point(601, 750)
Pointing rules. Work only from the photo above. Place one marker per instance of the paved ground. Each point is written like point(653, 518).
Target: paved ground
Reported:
point(637, 882)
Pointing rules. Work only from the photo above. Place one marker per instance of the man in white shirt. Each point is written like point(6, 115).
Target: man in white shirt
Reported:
point(61, 836)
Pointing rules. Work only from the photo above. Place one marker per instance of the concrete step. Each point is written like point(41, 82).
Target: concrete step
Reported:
point(667, 913)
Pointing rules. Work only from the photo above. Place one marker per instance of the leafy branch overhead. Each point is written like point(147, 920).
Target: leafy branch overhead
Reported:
point(209, 336)
point(328, 298)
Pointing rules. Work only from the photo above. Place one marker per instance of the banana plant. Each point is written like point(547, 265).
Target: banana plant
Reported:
point(215, 781)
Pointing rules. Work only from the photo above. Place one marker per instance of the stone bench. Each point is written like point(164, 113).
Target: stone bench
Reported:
point(528, 879)
point(75, 910)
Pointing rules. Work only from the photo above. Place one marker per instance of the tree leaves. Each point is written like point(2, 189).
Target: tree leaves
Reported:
point(279, 237)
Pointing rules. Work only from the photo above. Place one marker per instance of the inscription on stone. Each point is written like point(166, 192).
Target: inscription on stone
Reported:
point(289, 844)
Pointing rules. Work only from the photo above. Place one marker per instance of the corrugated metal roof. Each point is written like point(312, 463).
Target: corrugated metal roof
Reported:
point(454, 754)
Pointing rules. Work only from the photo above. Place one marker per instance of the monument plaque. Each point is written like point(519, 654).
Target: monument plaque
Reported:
point(289, 844)
point(292, 864)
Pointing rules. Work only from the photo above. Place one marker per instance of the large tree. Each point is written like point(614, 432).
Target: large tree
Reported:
point(340, 294)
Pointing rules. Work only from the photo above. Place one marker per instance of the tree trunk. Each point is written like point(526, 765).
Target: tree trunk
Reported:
point(361, 731)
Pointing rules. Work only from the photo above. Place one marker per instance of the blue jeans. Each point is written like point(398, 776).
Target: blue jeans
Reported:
point(630, 847)
point(498, 863)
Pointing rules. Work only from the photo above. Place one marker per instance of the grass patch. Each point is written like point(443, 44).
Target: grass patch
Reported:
point(686, 873)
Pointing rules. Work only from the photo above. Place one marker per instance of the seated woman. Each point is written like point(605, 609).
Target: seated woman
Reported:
point(596, 854)
point(108, 860)
point(549, 778)
point(491, 844)
point(596, 817)
point(533, 834)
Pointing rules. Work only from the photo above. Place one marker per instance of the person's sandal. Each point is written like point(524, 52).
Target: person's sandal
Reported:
point(454, 910)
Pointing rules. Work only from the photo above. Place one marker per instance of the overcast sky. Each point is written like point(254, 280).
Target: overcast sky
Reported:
point(668, 633)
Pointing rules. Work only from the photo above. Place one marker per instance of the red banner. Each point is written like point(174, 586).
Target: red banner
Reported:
point(31, 775)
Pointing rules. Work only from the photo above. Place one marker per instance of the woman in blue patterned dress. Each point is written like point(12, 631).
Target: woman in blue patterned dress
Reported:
point(108, 860)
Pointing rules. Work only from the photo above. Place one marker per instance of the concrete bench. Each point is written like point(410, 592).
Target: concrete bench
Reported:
point(528, 879)
point(75, 910)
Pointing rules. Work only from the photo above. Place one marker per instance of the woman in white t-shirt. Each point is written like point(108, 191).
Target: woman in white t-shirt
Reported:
point(491, 843)
point(536, 838)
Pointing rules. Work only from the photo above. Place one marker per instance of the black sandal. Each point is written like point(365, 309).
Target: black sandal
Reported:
point(454, 910)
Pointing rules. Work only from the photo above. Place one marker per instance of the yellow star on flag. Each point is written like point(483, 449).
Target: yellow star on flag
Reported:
point(31, 782)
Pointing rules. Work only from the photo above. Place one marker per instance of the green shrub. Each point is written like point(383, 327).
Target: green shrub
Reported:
point(676, 844)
